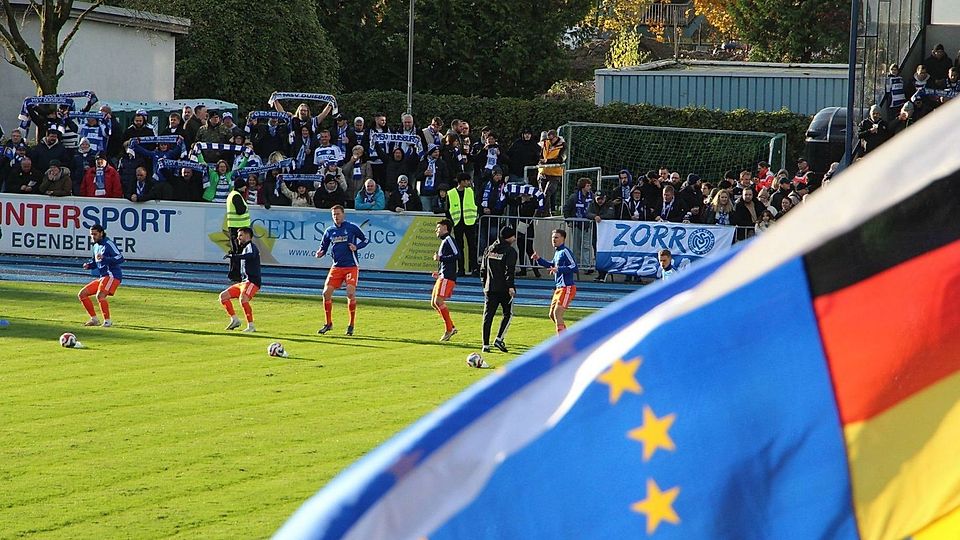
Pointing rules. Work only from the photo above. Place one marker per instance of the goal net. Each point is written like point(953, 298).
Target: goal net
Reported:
point(706, 152)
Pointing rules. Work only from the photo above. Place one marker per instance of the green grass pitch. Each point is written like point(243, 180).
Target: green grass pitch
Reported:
point(166, 424)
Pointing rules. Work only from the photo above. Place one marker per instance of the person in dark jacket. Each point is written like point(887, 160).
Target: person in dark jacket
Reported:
point(524, 206)
point(49, 149)
point(330, 194)
point(431, 177)
point(747, 213)
point(115, 140)
point(938, 64)
point(872, 131)
point(691, 196)
point(142, 189)
point(397, 164)
point(139, 128)
point(524, 152)
point(24, 178)
point(405, 198)
point(497, 268)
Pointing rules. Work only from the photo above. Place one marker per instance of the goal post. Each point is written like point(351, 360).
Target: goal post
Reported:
point(707, 152)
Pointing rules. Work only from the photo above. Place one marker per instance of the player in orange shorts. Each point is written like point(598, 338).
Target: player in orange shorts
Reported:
point(342, 239)
point(249, 257)
point(446, 276)
point(563, 266)
point(106, 260)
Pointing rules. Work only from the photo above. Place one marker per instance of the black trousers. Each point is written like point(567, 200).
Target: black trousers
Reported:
point(470, 232)
point(491, 302)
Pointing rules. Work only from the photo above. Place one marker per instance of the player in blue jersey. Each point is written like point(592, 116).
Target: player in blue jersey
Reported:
point(342, 239)
point(106, 260)
point(563, 266)
point(446, 276)
point(249, 258)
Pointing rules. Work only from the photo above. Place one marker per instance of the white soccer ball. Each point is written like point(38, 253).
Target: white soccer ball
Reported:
point(68, 340)
point(474, 360)
point(276, 349)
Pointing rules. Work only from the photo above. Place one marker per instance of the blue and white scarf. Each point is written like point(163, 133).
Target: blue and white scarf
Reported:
point(431, 168)
point(223, 147)
point(723, 218)
point(304, 96)
point(99, 116)
point(357, 171)
point(410, 139)
point(525, 189)
point(63, 98)
point(283, 117)
point(583, 201)
point(492, 156)
point(164, 163)
point(301, 158)
point(160, 139)
point(434, 135)
point(260, 171)
point(315, 179)
point(342, 139)
point(501, 195)
point(41, 100)
point(369, 198)
point(96, 135)
point(99, 178)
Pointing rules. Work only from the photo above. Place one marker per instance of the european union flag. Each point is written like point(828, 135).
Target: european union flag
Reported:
point(804, 385)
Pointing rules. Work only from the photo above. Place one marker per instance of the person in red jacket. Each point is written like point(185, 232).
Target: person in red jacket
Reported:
point(101, 181)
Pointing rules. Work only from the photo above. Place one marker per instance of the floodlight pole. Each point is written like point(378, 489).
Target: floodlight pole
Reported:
point(410, 61)
point(851, 81)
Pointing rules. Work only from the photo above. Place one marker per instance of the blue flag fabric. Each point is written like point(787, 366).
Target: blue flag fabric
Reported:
point(727, 402)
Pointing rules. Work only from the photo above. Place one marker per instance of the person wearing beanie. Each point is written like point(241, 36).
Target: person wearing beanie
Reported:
point(937, 64)
point(139, 127)
point(102, 180)
point(497, 268)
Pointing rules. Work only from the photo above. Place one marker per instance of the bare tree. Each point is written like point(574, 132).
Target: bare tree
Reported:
point(44, 69)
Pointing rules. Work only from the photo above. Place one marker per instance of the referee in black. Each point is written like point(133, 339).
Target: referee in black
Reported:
point(497, 268)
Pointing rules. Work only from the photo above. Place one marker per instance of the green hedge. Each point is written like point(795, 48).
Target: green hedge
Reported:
point(509, 115)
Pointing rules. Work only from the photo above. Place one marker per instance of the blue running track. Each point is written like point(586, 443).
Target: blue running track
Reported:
point(288, 280)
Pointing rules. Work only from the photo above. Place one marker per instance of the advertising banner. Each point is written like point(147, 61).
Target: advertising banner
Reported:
point(631, 247)
point(197, 232)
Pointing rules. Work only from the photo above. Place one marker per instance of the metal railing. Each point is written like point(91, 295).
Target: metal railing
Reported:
point(533, 235)
point(660, 14)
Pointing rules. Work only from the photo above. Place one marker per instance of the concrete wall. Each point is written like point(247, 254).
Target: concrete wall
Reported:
point(116, 62)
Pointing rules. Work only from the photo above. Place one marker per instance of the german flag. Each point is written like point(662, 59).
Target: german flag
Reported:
point(887, 300)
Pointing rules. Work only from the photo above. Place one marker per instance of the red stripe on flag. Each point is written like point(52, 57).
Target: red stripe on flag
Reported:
point(893, 334)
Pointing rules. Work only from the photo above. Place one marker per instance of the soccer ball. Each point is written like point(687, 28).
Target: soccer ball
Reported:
point(474, 360)
point(276, 349)
point(68, 340)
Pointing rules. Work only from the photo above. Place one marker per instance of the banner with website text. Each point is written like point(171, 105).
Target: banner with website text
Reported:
point(196, 232)
point(631, 247)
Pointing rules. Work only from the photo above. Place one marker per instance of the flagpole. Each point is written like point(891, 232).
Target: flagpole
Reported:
point(410, 61)
point(851, 80)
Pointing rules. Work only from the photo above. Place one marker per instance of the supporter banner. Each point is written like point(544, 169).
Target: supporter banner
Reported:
point(196, 232)
point(631, 247)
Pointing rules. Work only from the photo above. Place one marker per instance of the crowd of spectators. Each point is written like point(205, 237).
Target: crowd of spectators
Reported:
point(347, 167)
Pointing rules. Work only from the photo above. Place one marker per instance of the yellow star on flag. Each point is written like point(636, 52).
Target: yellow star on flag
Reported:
point(658, 506)
point(653, 433)
point(621, 377)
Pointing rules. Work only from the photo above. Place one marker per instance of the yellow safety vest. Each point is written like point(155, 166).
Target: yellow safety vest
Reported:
point(234, 219)
point(551, 152)
point(469, 216)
